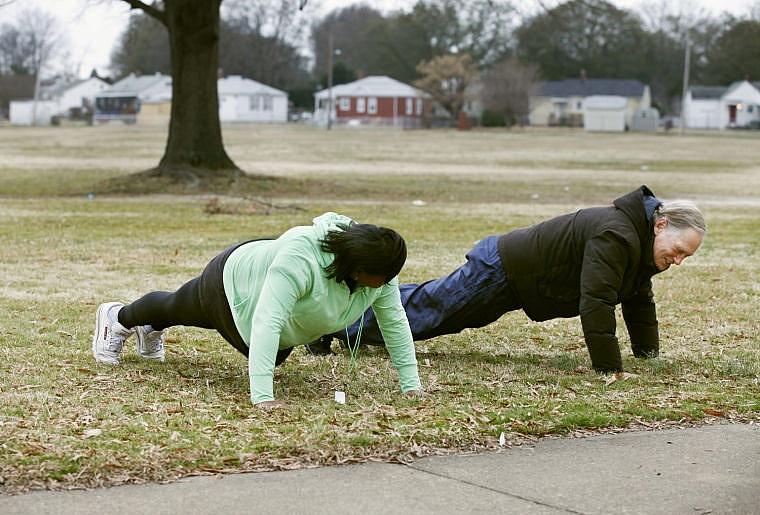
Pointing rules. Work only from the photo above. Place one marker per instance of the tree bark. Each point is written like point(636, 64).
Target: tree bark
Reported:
point(195, 134)
point(194, 149)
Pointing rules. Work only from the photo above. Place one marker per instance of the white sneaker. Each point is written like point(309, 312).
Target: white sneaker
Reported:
point(150, 343)
point(109, 334)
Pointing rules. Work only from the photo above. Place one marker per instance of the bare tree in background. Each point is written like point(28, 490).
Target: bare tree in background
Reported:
point(507, 88)
point(445, 78)
point(41, 33)
point(15, 54)
point(261, 39)
point(754, 11)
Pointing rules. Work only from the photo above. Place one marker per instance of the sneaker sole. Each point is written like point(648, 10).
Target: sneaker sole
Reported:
point(100, 317)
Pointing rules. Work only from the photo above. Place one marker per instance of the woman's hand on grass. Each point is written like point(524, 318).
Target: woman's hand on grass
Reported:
point(619, 376)
point(414, 394)
point(268, 405)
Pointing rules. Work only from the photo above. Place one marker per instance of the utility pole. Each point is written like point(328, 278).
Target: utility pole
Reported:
point(329, 81)
point(36, 98)
point(687, 57)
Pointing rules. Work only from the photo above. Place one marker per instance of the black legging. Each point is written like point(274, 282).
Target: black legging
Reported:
point(200, 302)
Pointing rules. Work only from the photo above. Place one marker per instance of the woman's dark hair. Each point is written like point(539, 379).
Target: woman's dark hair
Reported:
point(364, 248)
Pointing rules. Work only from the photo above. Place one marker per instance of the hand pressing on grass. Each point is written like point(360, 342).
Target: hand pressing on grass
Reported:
point(270, 405)
point(619, 376)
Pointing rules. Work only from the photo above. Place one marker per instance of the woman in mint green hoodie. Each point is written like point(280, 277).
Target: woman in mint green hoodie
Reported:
point(267, 296)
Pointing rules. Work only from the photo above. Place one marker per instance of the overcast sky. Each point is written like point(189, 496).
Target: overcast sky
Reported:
point(91, 27)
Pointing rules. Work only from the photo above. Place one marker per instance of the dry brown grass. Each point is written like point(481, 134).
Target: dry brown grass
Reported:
point(66, 422)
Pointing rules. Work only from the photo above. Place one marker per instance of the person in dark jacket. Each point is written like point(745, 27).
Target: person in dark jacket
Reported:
point(582, 263)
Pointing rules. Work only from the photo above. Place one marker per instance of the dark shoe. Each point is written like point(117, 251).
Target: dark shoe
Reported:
point(320, 346)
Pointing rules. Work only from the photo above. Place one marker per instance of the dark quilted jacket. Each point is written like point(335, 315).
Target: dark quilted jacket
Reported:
point(585, 263)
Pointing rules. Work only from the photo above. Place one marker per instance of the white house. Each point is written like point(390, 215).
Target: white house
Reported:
point(245, 100)
point(373, 100)
point(740, 104)
point(58, 100)
point(561, 102)
point(718, 107)
point(605, 113)
point(22, 111)
point(702, 107)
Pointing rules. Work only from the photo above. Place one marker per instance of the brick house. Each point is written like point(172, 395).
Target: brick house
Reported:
point(374, 100)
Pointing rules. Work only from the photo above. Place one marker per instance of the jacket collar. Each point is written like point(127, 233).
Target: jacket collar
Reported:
point(632, 204)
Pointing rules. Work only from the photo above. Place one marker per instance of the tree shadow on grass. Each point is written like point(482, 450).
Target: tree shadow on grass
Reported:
point(200, 181)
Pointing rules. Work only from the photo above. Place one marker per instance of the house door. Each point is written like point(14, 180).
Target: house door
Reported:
point(732, 114)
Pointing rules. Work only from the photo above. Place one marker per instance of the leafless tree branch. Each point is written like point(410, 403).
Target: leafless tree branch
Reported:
point(147, 9)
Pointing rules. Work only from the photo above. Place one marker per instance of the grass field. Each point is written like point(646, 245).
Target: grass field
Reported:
point(67, 422)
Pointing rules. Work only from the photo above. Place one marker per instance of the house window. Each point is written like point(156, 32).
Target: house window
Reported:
point(345, 103)
point(267, 102)
point(253, 102)
point(750, 108)
point(419, 106)
point(361, 104)
point(409, 106)
point(579, 105)
point(372, 105)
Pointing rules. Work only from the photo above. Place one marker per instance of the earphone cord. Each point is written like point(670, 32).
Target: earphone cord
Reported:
point(354, 350)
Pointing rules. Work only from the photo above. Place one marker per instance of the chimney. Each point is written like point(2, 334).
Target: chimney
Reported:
point(220, 73)
point(583, 75)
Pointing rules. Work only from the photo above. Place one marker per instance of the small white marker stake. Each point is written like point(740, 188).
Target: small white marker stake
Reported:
point(502, 440)
point(340, 397)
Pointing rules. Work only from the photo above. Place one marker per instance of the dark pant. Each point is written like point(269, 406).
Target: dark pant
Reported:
point(200, 302)
point(473, 295)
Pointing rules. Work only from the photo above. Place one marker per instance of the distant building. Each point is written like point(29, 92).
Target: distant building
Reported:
point(148, 100)
point(373, 100)
point(146, 96)
point(720, 107)
point(14, 87)
point(646, 120)
point(245, 100)
point(61, 99)
point(604, 113)
point(562, 102)
point(702, 107)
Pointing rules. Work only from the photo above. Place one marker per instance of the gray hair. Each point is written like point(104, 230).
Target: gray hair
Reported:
point(681, 215)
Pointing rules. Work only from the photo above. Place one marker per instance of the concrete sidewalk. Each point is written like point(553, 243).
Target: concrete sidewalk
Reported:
point(713, 469)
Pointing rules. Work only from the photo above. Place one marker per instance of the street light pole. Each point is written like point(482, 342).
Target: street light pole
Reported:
point(329, 81)
point(687, 58)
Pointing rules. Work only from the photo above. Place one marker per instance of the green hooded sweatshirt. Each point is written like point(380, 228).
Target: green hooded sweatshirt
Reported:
point(280, 297)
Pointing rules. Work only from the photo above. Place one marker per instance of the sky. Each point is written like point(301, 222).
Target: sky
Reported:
point(92, 27)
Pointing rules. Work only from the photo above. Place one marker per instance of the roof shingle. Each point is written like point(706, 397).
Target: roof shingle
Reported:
point(588, 87)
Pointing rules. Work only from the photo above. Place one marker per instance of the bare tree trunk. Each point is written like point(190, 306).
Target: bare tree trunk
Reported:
point(194, 146)
point(195, 153)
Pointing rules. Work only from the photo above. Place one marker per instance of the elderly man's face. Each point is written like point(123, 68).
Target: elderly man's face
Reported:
point(672, 247)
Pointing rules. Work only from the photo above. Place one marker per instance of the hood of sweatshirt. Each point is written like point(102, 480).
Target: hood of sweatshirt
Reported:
point(325, 223)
